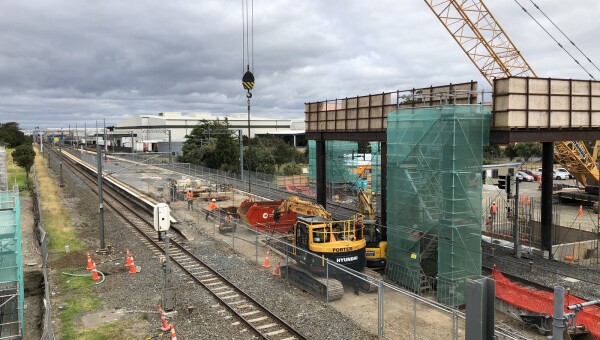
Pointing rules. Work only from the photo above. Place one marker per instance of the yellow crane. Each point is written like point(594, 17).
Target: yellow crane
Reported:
point(481, 37)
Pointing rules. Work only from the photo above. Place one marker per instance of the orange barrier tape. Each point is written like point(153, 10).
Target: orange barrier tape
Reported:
point(538, 301)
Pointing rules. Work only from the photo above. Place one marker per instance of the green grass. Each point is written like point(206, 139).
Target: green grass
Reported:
point(15, 172)
point(56, 219)
point(78, 298)
point(109, 331)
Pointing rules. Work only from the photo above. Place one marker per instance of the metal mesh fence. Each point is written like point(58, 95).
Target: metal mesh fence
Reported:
point(391, 312)
point(400, 313)
point(47, 332)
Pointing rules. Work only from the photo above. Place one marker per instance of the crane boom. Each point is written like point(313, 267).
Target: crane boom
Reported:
point(481, 37)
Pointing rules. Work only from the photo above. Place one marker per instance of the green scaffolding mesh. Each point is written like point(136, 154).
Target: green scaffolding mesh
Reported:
point(11, 262)
point(340, 165)
point(434, 164)
point(312, 160)
point(375, 167)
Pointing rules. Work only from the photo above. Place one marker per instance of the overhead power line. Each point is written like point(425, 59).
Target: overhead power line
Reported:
point(555, 40)
point(563, 33)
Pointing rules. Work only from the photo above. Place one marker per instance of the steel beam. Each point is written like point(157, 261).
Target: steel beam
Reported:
point(546, 223)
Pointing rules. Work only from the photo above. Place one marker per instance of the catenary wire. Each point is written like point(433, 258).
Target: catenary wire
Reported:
point(553, 38)
point(563, 33)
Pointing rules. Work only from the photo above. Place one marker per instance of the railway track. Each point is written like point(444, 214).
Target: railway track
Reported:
point(256, 317)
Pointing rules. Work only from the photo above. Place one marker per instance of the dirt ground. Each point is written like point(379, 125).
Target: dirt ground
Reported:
point(402, 315)
point(32, 272)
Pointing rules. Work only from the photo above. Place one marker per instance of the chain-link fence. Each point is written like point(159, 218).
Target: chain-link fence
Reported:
point(47, 333)
point(390, 312)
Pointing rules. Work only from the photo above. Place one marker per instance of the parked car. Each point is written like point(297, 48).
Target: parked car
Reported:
point(556, 174)
point(536, 176)
point(563, 170)
point(559, 175)
point(523, 176)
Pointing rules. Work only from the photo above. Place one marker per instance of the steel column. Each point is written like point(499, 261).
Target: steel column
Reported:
point(546, 223)
point(321, 174)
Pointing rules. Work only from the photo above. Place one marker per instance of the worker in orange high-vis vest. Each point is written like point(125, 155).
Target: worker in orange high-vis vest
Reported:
point(189, 196)
point(494, 211)
point(211, 206)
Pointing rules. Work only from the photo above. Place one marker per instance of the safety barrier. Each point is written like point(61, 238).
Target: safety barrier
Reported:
point(48, 333)
point(543, 302)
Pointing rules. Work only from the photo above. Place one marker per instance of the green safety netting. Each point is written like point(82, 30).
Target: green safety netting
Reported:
point(376, 167)
point(341, 162)
point(11, 258)
point(434, 164)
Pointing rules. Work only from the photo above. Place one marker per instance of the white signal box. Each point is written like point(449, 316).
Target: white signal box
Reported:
point(162, 217)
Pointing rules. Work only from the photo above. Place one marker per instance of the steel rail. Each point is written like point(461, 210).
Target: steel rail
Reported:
point(255, 316)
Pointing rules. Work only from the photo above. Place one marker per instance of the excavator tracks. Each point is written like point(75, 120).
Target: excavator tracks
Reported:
point(329, 289)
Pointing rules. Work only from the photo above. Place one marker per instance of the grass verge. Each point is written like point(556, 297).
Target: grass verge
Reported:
point(77, 295)
point(56, 218)
point(15, 172)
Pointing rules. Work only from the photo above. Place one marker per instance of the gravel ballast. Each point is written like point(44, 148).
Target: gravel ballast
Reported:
point(138, 294)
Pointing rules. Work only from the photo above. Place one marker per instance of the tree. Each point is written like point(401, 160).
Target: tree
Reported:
point(491, 152)
point(528, 150)
point(10, 135)
point(291, 169)
point(271, 152)
point(260, 159)
point(213, 145)
point(510, 151)
point(24, 156)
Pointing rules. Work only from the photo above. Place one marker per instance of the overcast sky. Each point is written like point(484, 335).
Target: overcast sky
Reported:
point(72, 61)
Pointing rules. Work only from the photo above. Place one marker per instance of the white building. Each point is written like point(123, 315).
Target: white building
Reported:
point(150, 132)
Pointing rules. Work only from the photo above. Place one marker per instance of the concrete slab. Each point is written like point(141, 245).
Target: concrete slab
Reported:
point(98, 318)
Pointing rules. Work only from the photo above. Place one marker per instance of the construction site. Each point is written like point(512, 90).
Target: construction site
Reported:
point(417, 238)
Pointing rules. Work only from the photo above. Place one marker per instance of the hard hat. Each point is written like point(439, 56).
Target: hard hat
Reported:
point(214, 200)
point(494, 202)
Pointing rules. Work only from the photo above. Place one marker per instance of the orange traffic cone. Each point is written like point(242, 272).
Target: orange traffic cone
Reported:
point(129, 260)
point(132, 268)
point(266, 264)
point(173, 335)
point(165, 325)
point(277, 269)
point(95, 275)
point(89, 263)
point(580, 210)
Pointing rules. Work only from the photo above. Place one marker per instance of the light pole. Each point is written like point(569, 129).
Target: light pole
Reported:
point(100, 199)
point(60, 143)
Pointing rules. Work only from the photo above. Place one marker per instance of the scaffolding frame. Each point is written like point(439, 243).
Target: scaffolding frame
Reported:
point(434, 225)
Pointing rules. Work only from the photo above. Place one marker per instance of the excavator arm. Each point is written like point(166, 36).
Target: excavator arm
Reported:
point(365, 206)
point(295, 204)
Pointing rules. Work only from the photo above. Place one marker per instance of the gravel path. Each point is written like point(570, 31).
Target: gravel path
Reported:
point(139, 294)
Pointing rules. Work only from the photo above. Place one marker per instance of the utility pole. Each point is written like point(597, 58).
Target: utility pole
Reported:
point(241, 143)
point(105, 143)
point(170, 151)
point(516, 233)
point(100, 200)
point(60, 143)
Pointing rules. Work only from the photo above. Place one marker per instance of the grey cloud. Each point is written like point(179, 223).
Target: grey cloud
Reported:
point(74, 61)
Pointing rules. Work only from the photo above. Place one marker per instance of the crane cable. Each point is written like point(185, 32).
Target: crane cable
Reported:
point(248, 45)
point(563, 33)
point(553, 38)
point(248, 77)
